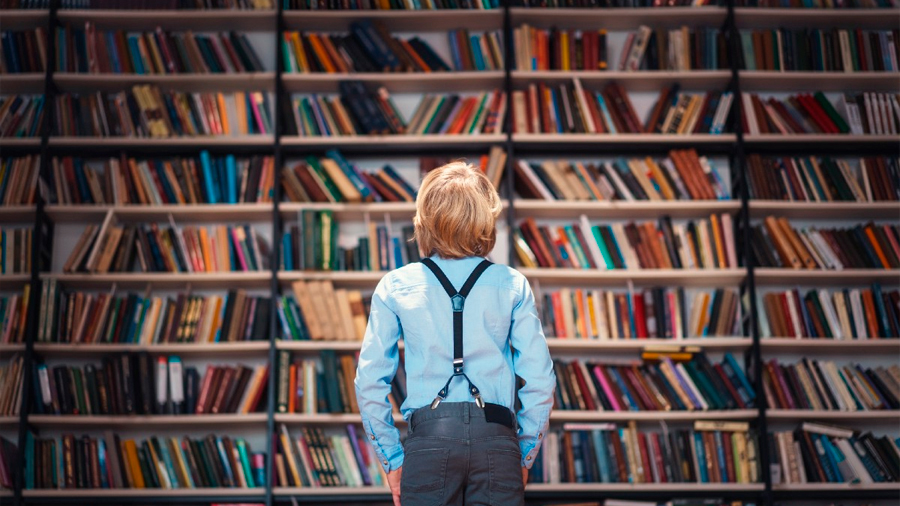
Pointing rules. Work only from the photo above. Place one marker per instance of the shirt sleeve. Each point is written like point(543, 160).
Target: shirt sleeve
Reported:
point(532, 363)
point(378, 362)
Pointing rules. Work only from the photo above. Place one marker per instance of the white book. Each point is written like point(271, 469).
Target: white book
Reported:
point(592, 245)
point(792, 311)
point(830, 315)
point(852, 459)
point(600, 314)
point(827, 430)
point(750, 114)
point(858, 314)
point(818, 256)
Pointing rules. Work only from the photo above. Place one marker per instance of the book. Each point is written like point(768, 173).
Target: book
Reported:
point(24, 51)
point(15, 250)
point(823, 179)
point(676, 49)
point(805, 113)
point(21, 115)
point(13, 314)
point(19, 180)
point(819, 50)
point(559, 49)
point(822, 385)
point(376, 5)
point(11, 385)
point(301, 321)
point(316, 458)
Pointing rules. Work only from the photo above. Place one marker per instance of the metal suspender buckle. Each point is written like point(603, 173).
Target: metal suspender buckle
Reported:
point(457, 366)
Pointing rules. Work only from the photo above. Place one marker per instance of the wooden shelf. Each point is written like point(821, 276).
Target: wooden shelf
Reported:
point(825, 210)
point(642, 277)
point(355, 212)
point(17, 214)
point(396, 20)
point(197, 20)
point(804, 140)
point(351, 278)
point(255, 81)
point(9, 348)
point(24, 18)
point(699, 140)
point(247, 348)
point(13, 282)
point(316, 346)
point(842, 346)
point(853, 416)
point(162, 143)
point(407, 82)
point(754, 17)
point(147, 213)
point(600, 488)
point(825, 487)
point(645, 80)
point(391, 143)
point(619, 18)
point(325, 418)
point(6, 421)
point(159, 280)
point(779, 276)
point(21, 83)
point(622, 209)
point(141, 493)
point(568, 344)
point(330, 491)
point(754, 80)
point(20, 142)
point(71, 422)
point(561, 416)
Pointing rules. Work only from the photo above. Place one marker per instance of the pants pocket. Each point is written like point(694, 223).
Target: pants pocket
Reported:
point(506, 477)
point(424, 474)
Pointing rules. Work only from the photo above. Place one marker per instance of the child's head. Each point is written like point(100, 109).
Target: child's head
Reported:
point(456, 212)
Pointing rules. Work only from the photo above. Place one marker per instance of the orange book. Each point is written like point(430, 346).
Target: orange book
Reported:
point(461, 117)
point(321, 53)
point(134, 466)
point(223, 113)
point(292, 388)
point(483, 163)
point(299, 51)
point(717, 239)
point(785, 251)
point(138, 181)
point(335, 55)
point(580, 314)
point(798, 245)
point(414, 56)
point(870, 233)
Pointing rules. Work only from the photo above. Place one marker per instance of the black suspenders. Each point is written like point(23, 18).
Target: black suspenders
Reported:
point(458, 300)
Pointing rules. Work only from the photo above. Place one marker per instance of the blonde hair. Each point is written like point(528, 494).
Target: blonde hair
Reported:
point(456, 212)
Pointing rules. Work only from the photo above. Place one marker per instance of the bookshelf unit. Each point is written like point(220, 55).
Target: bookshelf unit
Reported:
point(734, 146)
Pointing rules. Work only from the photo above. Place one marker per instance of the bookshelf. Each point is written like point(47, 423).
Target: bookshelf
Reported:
point(733, 146)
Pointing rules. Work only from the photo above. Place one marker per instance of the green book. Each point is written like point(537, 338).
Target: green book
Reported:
point(577, 247)
point(330, 188)
point(595, 230)
point(78, 385)
point(245, 462)
point(329, 363)
point(832, 113)
point(284, 365)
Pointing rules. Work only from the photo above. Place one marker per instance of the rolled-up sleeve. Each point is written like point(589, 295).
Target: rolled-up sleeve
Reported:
point(378, 361)
point(532, 363)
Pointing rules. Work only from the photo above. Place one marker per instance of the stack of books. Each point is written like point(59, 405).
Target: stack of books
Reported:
point(678, 49)
point(110, 462)
point(816, 453)
point(663, 313)
point(334, 179)
point(777, 244)
point(15, 250)
point(11, 382)
point(23, 51)
point(356, 111)
point(157, 181)
point(314, 459)
point(693, 383)
point(822, 385)
point(21, 115)
point(849, 313)
point(13, 314)
point(476, 52)
point(861, 113)
point(132, 384)
point(559, 49)
point(317, 311)
point(19, 180)
point(148, 112)
point(823, 50)
point(713, 452)
point(814, 179)
point(88, 50)
point(684, 175)
point(88, 318)
point(699, 244)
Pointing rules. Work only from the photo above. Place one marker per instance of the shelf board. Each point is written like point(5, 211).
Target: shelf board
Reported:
point(184, 19)
point(619, 18)
point(353, 212)
point(634, 345)
point(346, 278)
point(21, 83)
point(13, 282)
point(139, 421)
point(825, 487)
point(642, 277)
point(20, 142)
point(622, 209)
point(396, 82)
point(24, 18)
point(6, 348)
point(780, 276)
point(396, 20)
point(329, 491)
point(325, 418)
point(159, 280)
point(256, 81)
point(315, 346)
point(843, 346)
point(246, 348)
point(755, 80)
point(141, 493)
point(599, 488)
point(854, 416)
point(645, 80)
point(561, 416)
point(391, 143)
point(804, 140)
point(825, 210)
point(618, 140)
point(6, 421)
point(147, 213)
point(17, 214)
point(754, 17)
point(162, 143)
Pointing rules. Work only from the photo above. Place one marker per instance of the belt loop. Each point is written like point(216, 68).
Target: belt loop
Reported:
point(466, 412)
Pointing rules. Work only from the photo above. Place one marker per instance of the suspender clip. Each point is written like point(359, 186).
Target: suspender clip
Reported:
point(437, 400)
point(479, 401)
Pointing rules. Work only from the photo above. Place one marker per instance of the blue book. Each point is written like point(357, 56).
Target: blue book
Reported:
point(208, 181)
point(225, 460)
point(114, 56)
point(701, 457)
point(81, 180)
point(606, 117)
point(598, 437)
point(282, 317)
point(231, 177)
point(221, 179)
point(476, 52)
point(740, 374)
point(720, 451)
point(396, 177)
point(614, 374)
point(398, 253)
point(164, 182)
point(135, 55)
point(232, 251)
point(630, 472)
point(287, 249)
point(297, 315)
point(830, 468)
point(454, 51)
point(554, 103)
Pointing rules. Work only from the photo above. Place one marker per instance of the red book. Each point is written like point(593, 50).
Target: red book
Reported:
point(729, 457)
point(658, 458)
point(589, 402)
point(640, 318)
point(205, 385)
point(731, 390)
point(786, 310)
point(257, 395)
point(818, 113)
point(645, 458)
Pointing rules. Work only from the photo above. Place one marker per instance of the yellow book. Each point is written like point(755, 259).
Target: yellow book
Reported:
point(223, 113)
point(302, 64)
point(664, 187)
point(717, 240)
point(289, 456)
point(165, 481)
point(205, 252)
point(181, 468)
point(131, 456)
point(240, 102)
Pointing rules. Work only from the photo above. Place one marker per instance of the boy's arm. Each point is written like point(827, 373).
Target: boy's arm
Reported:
point(378, 361)
point(532, 363)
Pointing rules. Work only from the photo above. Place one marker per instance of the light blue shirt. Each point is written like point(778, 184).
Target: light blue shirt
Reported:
point(502, 338)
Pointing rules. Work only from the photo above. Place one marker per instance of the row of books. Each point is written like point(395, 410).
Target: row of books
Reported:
point(699, 244)
point(15, 250)
point(112, 462)
point(849, 313)
point(483, 113)
point(317, 311)
point(356, 111)
point(8, 463)
point(322, 384)
point(204, 179)
point(822, 385)
point(412, 5)
point(23, 51)
point(815, 179)
point(11, 382)
point(86, 318)
point(314, 459)
point(148, 112)
point(21, 115)
point(87, 50)
point(861, 113)
point(777, 244)
point(19, 180)
point(713, 452)
point(333, 179)
point(661, 313)
point(476, 52)
point(13, 315)
point(151, 248)
point(823, 50)
point(559, 49)
point(815, 453)
point(677, 49)
point(692, 383)
point(818, 4)
point(683, 175)
point(164, 4)
point(132, 384)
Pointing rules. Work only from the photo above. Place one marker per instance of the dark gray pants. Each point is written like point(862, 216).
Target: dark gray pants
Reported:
point(454, 457)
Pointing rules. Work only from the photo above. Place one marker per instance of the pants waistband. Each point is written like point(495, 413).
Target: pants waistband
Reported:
point(465, 411)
